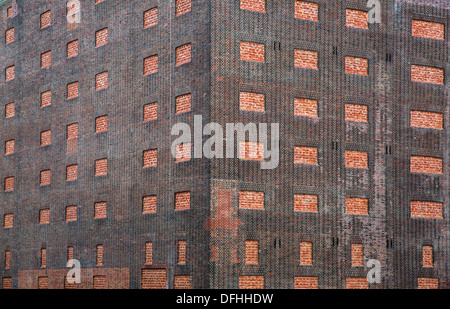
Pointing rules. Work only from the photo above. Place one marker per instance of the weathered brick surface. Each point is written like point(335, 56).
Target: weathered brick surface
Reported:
point(305, 108)
point(356, 206)
point(251, 200)
point(306, 253)
point(72, 172)
point(254, 5)
point(149, 253)
point(72, 90)
point(357, 255)
point(72, 49)
point(101, 124)
point(427, 120)
point(357, 283)
point(427, 75)
point(101, 167)
point(305, 203)
point(181, 253)
point(7, 259)
point(8, 221)
point(426, 165)
point(101, 81)
point(9, 183)
point(151, 111)
point(251, 252)
point(10, 73)
point(46, 138)
point(251, 282)
point(46, 59)
point(183, 153)
point(43, 257)
point(7, 283)
point(428, 283)
point(356, 159)
point(428, 30)
point(99, 255)
point(251, 151)
point(71, 215)
point(46, 98)
point(99, 282)
point(10, 110)
point(426, 209)
point(356, 66)
point(252, 51)
point(253, 102)
point(356, 113)
point(307, 10)
point(356, 19)
point(305, 155)
point(307, 283)
point(306, 59)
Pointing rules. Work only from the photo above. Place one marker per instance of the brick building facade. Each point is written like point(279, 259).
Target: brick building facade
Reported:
point(87, 171)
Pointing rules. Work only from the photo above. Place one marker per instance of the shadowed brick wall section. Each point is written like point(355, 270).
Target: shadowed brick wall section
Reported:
point(100, 209)
point(10, 73)
point(307, 10)
point(428, 30)
point(44, 216)
point(72, 172)
point(72, 90)
point(101, 81)
point(8, 221)
point(183, 103)
point(45, 177)
point(150, 158)
point(149, 253)
point(254, 5)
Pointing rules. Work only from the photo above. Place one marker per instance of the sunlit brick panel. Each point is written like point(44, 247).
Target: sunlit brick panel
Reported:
point(9, 12)
point(72, 172)
point(149, 204)
point(43, 258)
point(151, 111)
point(71, 213)
point(9, 147)
point(357, 255)
point(252, 52)
point(182, 7)
point(306, 10)
point(101, 124)
point(72, 90)
point(10, 73)
point(101, 81)
point(46, 19)
point(9, 184)
point(153, 279)
point(358, 283)
point(151, 65)
point(427, 75)
point(251, 252)
point(427, 257)
point(101, 37)
point(181, 247)
point(42, 283)
point(10, 110)
point(356, 113)
point(151, 17)
point(7, 259)
point(44, 216)
point(253, 102)
point(356, 159)
point(45, 177)
point(183, 200)
point(251, 200)
point(306, 283)
point(183, 152)
point(305, 203)
point(8, 221)
point(7, 283)
point(183, 103)
point(72, 49)
point(356, 206)
point(251, 282)
point(427, 120)
point(306, 253)
point(182, 282)
point(251, 151)
point(46, 138)
point(46, 98)
point(305, 155)
point(356, 19)
point(149, 253)
point(254, 5)
point(183, 54)
point(306, 59)
point(101, 167)
point(427, 29)
point(46, 59)
point(426, 210)
point(356, 66)
point(427, 283)
point(100, 209)
point(426, 165)
point(305, 108)
point(100, 251)
point(150, 158)
point(9, 36)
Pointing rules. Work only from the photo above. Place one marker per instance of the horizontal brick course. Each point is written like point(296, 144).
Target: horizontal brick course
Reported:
point(427, 283)
point(153, 279)
point(357, 283)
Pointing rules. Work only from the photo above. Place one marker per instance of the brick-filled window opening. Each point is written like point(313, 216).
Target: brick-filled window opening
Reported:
point(358, 283)
point(356, 113)
point(100, 210)
point(45, 177)
point(356, 66)
point(253, 102)
point(98, 1)
point(306, 108)
point(43, 258)
point(181, 248)
point(8, 221)
point(149, 253)
point(46, 98)
point(427, 120)
point(253, 52)
point(251, 151)
point(306, 283)
point(9, 147)
point(252, 200)
point(306, 10)
point(426, 165)
point(305, 203)
point(72, 136)
point(153, 279)
point(357, 206)
point(101, 167)
point(151, 17)
point(46, 138)
point(9, 36)
point(7, 259)
point(306, 59)
point(254, 5)
point(10, 110)
point(46, 59)
point(427, 75)
point(251, 252)
point(101, 81)
point(182, 282)
point(101, 37)
point(183, 200)
point(44, 216)
point(9, 12)
point(150, 158)
point(356, 159)
point(10, 73)
point(71, 213)
point(305, 253)
point(149, 204)
point(427, 257)
point(9, 184)
point(72, 90)
point(42, 283)
point(72, 49)
point(428, 283)
point(305, 155)
point(151, 65)
point(356, 19)
point(70, 253)
point(183, 103)
point(357, 255)
point(99, 255)
point(7, 283)
point(428, 30)
point(183, 54)
point(182, 7)
point(183, 152)
point(46, 19)
point(101, 124)
point(426, 210)
point(150, 111)
point(251, 282)
point(72, 172)
point(99, 282)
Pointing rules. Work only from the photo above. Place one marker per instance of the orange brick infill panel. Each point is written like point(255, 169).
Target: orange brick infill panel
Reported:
point(71, 213)
point(72, 172)
point(99, 282)
point(357, 283)
point(253, 102)
point(153, 279)
point(8, 221)
point(46, 19)
point(305, 203)
point(428, 30)
point(101, 167)
point(251, 252)
point(149, 204)
point(251, 151)
point(254, 5)
point(151, 65)
point(305, 253)
point(252, 52)
point(44, 216)
point(9, 110)
point(306, 10)
point(72, 131)
point(46, 98)
point(42, 283)
point(72, 90)
point(306, 59)
point(305, 155)
point(149, 253)
point(427, 257)
point(7, 283)
point(9, 147)
point(356, 206)
point(182, 282)
point(356, 159)
point(356, 66)
point(426, 165)
point(45, 177)
point(9, 36)
point(150, 158)
point(427, 75)
point(72, 49)
point(182, 7)
point(307, 283)
point(183, 200)
point(101, 37)
point(427, 283)
point(305, 108)
point(100, 210)
point(183, 103)
point(183, 152)
point(150, 18)
point(10, 73)
point(251, 282)
point(99, 255)
point(427, 120)
point(101, 81)
point(181, 245)
point(356, 113)
point(46, 138)
point(183, 54)
point(9, 183)
point(46, 59)
point(151, 111)
point(357, 255)
point(426, 210)
point(356, 19)
point(101, 124)
point(251, 200)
